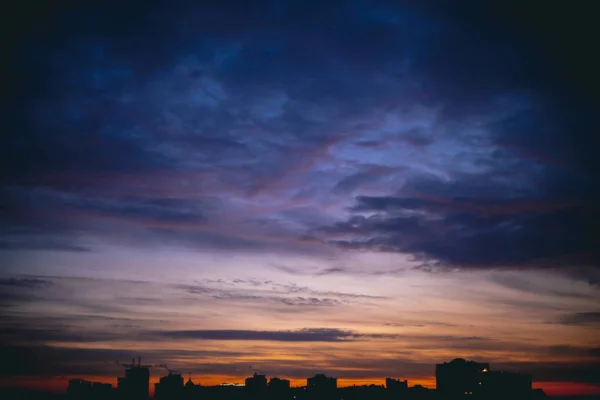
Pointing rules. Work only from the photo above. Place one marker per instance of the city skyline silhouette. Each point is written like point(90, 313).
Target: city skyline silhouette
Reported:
point(457, 379)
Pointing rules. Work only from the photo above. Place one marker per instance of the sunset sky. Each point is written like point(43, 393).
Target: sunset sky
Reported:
point(358, 188)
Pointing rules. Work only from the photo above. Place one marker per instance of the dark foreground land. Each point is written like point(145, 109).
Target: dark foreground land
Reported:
point(32, 394)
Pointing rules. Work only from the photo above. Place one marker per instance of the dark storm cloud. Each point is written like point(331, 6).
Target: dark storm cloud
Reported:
point(475, 231)
point(138, 115)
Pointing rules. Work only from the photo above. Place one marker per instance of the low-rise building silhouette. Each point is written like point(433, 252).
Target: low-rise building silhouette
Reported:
point(396, 385)
point(82, 389)
point(256, 385)
point(363, 392)
point(501, 384)
point(169, 387)
point(192, 390)
point(420, 392)
point(321, 386)
point(79, 389)
point(277, 384)
point(279, 389)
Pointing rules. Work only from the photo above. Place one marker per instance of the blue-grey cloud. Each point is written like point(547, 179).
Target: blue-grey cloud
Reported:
point(529, 286)
point(301, 335)
point(25, 282)
point(474, 231)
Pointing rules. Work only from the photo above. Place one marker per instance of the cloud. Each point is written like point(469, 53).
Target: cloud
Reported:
point(26, 242)
point(580, 318)
point(418, 323)
point(570, 351)
point(367, 175)
point(288, 301)
point(528, 285)
point(557, 371)
point(294, 288)
point(187, 140)
point(469, 232)
point(290, 294)
point(48, 361)
point(301, 335)
point(42, 335)
point(39, 360)
point(25, 282)
point(413, 342)
point(22, 290)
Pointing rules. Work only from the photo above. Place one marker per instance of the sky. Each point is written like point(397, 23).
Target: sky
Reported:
point(359, 188)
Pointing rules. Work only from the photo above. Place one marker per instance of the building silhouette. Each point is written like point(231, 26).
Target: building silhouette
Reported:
point(501, 384)
point(78, 388)
point(190, 384)
point(256, 385)
point(82, 389)
point(192, 390)
point(276, 384)
point(279, 388)
point(135, 384)
point(396, 385)
point(419, 392)
point(363, 392)
point(321, 386)
point(459, 378)
point(169, 387)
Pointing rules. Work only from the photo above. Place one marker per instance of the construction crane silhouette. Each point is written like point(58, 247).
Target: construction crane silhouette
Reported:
point(171, 371)
point(256, 371)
